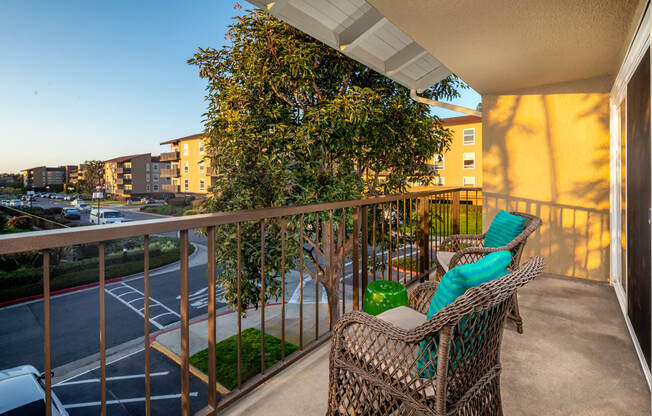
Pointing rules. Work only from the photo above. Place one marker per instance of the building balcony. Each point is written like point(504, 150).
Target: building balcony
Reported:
point(122, 181)
point(169, 156)
point(170, 187)
point(170, 173)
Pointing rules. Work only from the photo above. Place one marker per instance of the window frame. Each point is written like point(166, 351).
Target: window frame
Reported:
point(185, 149)
point(464, 178)
point(186, 185)
point(443, 162)
point(464, 134)
point(464, 155)
point(202, 185)
point(186, 168)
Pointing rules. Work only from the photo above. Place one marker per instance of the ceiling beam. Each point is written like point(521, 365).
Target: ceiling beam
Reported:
point(431, 78)
point(366, 24)
point(276, 6)
point(404, 57)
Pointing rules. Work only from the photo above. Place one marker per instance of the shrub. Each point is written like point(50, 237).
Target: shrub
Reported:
point(177, 202)
point(23, 222)
point(191, 212)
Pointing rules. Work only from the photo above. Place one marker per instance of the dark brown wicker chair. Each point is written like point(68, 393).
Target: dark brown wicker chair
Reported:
point(373, 364)
point(469, 248)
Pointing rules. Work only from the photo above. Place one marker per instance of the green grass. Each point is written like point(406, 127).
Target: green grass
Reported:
point(406, 263)
point(171, 210)
point(226, 353)
point(28, 281)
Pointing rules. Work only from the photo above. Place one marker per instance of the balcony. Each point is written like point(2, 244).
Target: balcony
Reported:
point(169, 156)
point(170, 187)
point(122, 170)
point(170, 173)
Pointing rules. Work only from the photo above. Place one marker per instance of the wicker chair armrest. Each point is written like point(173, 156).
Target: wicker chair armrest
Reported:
point(472, 254)
point(456, 242)
point(421, 296)
point(356, 322)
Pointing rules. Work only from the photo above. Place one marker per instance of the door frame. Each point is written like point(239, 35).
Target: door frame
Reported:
point(639, 46)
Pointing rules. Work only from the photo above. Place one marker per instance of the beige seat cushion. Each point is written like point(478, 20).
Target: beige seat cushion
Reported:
point(403, 317)
point(444, 258)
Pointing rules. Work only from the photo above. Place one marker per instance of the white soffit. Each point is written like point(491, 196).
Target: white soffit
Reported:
point(360, 32)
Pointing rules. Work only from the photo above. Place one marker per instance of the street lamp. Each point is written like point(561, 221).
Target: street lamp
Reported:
point(99, 195)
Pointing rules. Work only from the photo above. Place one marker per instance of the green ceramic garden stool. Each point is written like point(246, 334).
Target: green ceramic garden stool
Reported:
point(382, 295)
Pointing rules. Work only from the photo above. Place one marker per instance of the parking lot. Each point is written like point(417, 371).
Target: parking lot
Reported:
point(125, 384)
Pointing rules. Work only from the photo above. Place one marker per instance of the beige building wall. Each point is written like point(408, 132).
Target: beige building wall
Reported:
point(546, 152)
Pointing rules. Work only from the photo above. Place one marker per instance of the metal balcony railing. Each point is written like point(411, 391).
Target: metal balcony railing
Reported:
point(341, 246)
point(169, 156)
point(170, 173)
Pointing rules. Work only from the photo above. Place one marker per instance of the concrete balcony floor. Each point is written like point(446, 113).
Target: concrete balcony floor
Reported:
point(575, 358)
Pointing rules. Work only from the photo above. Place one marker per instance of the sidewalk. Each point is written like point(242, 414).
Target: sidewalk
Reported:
point(226, 325)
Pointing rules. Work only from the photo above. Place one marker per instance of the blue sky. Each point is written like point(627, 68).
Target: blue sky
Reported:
point(94, 80)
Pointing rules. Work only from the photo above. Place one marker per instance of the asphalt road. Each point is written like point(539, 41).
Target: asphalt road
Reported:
point(75, 323)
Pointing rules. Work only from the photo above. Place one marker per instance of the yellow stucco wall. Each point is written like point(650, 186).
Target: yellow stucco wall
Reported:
point(453, 172)
point(546, 152)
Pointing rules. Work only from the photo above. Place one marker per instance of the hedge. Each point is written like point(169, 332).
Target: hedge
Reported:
point(28, 281)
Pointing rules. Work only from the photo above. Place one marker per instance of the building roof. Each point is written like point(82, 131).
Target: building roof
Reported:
point(191, 137)
point(359, 31)
point(125, 158)
point(453, 121)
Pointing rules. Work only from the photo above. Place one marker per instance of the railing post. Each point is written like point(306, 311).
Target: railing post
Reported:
point(356, 264)
point(365, 247)
point(455, 211)
point(424, 237)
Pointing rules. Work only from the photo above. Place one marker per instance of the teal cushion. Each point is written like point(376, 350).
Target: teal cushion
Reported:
point(452, 285)
point(503, 229)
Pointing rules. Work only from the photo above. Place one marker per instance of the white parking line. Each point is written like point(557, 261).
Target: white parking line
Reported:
point(153, 303)
point(97, 380)
point(107, 364)
point(132, 400)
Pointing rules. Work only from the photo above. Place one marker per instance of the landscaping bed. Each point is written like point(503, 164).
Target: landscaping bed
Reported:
point(226, 352)
point(28, 281)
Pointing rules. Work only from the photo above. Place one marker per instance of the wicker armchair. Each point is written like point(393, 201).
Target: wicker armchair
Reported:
point(468, 248)
point(373, 364)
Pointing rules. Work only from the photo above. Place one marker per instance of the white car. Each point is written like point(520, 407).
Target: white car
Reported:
point(16, 203)
point(81, 205)
point(106, 216)
point(22, 392)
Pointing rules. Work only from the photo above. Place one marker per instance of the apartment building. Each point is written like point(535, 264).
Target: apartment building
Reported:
point(189, 171)
point(462, 164)
point(42, 176)
point(160, 174)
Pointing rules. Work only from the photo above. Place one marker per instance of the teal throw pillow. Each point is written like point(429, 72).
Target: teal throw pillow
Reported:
point(503, 229)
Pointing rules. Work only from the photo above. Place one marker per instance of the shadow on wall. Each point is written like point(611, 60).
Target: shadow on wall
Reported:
point(574, 240)
point(546, 152)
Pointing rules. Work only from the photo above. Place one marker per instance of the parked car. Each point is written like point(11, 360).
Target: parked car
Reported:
point(58, 196)
point(16, 203)
point(71, 213)
point(81, 205)
point(5, 202)
point(22, 392)
point(106, 216)
point(71, 197)
point(147, 200)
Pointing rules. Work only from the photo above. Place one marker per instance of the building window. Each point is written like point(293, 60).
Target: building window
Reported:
point(147, 187)
point(469, 136)
point(185, 167)
point(439, 181)
point(439, 162)
point(156, 166)
point(468, 181)
point(155, 188)
point(201, 147)
point(147, 167)
point(185, 149)
point(201, 167)
point(185, 185)
point(468, 160)
point(155, 177)
point(201, 185)
point(147, 177)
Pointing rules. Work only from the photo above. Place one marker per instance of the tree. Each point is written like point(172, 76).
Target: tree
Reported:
point(292, 121)
point(93, 176)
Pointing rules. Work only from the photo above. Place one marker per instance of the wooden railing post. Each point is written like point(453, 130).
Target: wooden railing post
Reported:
point(455, 215)
point(355, 262)
point(424, 236)
point(365, 249)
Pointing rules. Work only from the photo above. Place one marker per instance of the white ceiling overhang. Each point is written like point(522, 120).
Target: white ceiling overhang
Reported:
point(359, 31)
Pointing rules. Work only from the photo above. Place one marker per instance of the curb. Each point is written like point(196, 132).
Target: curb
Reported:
point(399, 269)
point(87, 285)
point(193, 370)
point(58, 292)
